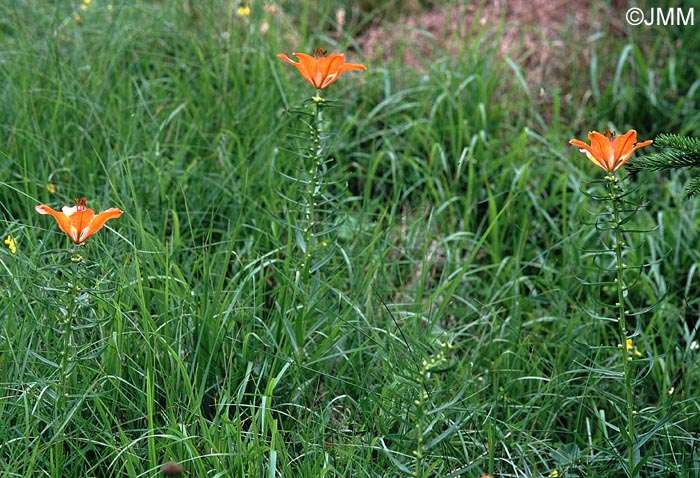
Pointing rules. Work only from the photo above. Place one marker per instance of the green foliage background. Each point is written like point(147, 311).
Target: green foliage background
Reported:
point(462, 219)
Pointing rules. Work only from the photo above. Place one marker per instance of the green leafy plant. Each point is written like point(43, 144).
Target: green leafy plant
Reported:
point(610, 153)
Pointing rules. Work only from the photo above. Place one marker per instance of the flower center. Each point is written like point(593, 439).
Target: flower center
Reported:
point(320, 53)
point(80, 204)
point(610, 134)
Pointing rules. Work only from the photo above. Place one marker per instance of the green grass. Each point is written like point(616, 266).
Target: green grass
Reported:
point(460, 217)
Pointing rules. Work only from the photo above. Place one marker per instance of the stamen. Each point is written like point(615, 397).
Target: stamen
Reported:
point(610, 134)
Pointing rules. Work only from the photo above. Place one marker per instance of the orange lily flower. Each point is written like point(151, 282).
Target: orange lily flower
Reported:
point(608, 152)
point(321, 70)
point(79, 222)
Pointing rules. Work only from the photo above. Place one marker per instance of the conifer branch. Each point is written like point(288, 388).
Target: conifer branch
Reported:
point(685, 143)
point(680, 152)
point(693, 188)
point(683, 151)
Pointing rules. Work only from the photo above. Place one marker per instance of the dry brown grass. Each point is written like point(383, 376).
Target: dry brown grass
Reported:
point(539, 35)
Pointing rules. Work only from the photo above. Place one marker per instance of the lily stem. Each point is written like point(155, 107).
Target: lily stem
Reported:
point(615, 196)
point(65, 319)
point(313, 186)
point(312, 191)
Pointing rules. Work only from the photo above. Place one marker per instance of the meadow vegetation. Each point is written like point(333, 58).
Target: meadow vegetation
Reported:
point(455, 324)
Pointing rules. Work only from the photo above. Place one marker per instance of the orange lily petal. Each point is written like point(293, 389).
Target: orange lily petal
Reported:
point(588, 151)
point(602, 146)
point(306, 66)
point(342, 69)
point(328, 68)
point(624, 146)
point(627, 144)
point(80, 221)
point(98, 221)
point(62, 220)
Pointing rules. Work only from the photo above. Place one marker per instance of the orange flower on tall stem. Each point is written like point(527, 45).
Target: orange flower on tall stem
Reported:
point(607, 151)
point(321, 70)
point(79, 222)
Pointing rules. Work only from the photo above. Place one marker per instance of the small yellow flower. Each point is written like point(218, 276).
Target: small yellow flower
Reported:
point(243, 11)
point(554, 473)
point(10, 243)
point(84, 7)
point(51, 188)
point(631, 348)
